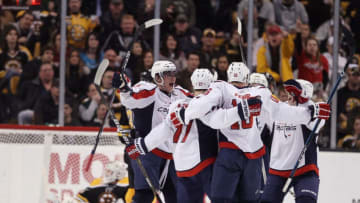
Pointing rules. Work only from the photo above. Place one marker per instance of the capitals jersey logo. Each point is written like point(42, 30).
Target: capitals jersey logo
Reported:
point(287, 129)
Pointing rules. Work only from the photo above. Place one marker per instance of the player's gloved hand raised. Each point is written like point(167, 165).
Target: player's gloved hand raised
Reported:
point(320, 110)
point(136, 148)
point(125, 135)
point(178, 116)
point(249, 107)
point(118, 81)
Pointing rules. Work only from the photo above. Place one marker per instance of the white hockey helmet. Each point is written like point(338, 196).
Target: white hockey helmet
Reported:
point(201, 79)
point(258, 78)
point(115, 170)
point(307, 89)
point(238, 72)
point(162, 66)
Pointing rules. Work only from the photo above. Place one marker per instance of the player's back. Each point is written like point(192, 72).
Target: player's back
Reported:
point(243, 135)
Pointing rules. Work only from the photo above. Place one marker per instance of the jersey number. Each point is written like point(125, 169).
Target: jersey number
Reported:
point(244, 124)
point(178, 133)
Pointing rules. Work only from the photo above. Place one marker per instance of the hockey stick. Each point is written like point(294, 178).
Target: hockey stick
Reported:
point(101, 69)
point(349, 38)
point(239, 29)
point(97, 82)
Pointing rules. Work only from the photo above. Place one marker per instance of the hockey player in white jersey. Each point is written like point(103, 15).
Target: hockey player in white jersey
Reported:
point(195, 145)
point(287, 142)
point(238, 162)
point(150, 103)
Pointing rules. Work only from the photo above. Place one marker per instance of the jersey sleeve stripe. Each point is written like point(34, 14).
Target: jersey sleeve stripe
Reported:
point(143, 94)
point(81, 198)
point(188, 94)
point(299, 171)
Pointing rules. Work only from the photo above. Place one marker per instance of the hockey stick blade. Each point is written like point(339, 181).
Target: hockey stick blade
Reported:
point(239, 25)
point(100, 71)
point(153, 22)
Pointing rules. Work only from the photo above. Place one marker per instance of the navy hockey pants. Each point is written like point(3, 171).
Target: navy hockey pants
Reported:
point(306, 185)
point(153, 165)
point(192, 189)
point(235, 177)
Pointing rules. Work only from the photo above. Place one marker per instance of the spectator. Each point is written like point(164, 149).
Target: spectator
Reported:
point(27, 36)
point(77, 75)
point(231, 47)
point(100, 116)
point(174, 8)
point(329, 55)
point(56, 43)
point(107, 90)
point(170, 50)
point(70, 118)
point(312, 65)
point(353, 19)
point(9, 81)
point(92, 55)
point(11, 49)
point(260, 42)
point(287, 12)
point(110, 19)
point(263, 11)
point(222, 66)
point(114, 59)
point(78, 26)
point(47, 106)
point(189, 37)
point(145, 11)
point(349, 98)
point(183, 77)
point(88, 106)
point(352, 141)
point(120, 41)
point(143, 66)
point(302, 33)
point(94, 7)
point(30, 91)
point(208, 54)
point(274, 56)
point(31, 69)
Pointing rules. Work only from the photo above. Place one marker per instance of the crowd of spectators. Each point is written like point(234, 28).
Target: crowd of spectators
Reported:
point(291, 40)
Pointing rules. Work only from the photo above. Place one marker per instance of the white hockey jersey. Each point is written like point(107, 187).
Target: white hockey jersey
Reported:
point(195, 145)
point(244, 135)
point(150, 106)
point(288, 139)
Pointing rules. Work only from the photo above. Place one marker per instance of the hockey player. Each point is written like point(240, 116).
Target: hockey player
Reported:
point(287, 142)
point(238, 163)
point(195, 145)
point(111, 189)
point(150, 103)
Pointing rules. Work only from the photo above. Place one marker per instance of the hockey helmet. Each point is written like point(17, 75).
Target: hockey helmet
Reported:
point(238, 72)
point(115, 171)
point(258, 78)
point(201, 79)
point(159, 67)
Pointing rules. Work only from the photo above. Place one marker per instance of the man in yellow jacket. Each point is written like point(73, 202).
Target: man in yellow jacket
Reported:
point(274, 56)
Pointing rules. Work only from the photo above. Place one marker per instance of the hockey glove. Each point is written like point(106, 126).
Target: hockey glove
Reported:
point(320, 110)
point(178, 117)
point(118, 81)
point(136, 148)
point(249, 107)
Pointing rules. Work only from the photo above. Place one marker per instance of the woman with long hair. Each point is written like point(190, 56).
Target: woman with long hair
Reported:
point(92, 54)
point(77, 75)
point(10, 48)
point(170, 50)
point(144, 65)
point(312, 65)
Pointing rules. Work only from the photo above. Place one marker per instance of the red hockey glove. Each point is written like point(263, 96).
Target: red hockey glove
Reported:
point(136, 148)
point(178, 117)
point(320, 110)
point(249, 107)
